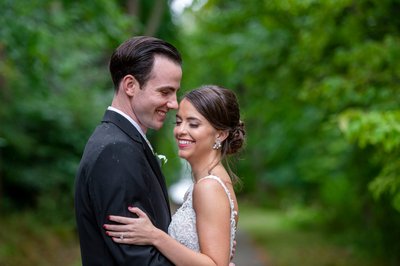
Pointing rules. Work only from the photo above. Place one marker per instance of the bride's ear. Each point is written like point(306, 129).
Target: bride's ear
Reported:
point(222, 135)
point(130, 85)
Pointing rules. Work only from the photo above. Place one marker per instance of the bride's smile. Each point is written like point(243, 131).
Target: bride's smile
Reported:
point(194, 134)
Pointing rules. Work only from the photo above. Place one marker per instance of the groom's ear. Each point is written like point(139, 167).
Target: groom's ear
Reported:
point(130, 85)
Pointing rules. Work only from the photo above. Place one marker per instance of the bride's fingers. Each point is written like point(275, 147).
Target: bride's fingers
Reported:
point(119, 240)
point(121, 219)
point(116, 228)
point(139, 212)
point(119, 235)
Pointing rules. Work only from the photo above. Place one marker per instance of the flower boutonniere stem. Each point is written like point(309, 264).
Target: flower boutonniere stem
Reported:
point(162, 159)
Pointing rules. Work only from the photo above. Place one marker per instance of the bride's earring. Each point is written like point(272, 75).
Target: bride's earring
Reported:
point(217, 145)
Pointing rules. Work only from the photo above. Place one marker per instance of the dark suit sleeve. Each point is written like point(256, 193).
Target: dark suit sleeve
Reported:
point(119, 179)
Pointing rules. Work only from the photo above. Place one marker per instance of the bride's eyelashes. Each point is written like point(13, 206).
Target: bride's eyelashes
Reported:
point(178, 123)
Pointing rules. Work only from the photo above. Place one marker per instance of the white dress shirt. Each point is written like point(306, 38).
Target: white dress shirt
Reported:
point(133, 122)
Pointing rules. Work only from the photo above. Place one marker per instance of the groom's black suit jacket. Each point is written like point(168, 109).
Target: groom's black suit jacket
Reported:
point(117, 170)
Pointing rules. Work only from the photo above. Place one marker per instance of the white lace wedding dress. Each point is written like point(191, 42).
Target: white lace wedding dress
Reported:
point(183, 224)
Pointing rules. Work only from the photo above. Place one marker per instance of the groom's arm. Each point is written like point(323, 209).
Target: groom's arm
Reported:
point(118, 182)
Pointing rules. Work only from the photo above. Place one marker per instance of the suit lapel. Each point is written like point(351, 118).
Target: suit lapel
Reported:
point(131, 131)
point(123, 124)
point(156, 168)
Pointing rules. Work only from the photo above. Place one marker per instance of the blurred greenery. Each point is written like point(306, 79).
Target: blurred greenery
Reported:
point(27, 240)
point(317, 82)
point(318, 85)
point(287, 241)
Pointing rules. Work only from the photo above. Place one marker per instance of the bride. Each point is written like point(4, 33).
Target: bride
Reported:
point(202, 231)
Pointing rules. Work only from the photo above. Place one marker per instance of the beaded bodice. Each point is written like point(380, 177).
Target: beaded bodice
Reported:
point(183, 224)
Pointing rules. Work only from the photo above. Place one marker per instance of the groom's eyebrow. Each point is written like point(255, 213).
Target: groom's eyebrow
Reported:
point(169, 88)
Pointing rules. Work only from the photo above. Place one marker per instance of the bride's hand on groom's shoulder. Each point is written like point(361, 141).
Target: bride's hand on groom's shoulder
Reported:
point(138, 231)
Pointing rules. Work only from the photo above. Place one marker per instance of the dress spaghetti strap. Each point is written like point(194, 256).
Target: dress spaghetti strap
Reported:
point(234, 213)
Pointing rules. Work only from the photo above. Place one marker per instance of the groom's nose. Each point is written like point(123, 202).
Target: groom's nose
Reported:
point(173, 102)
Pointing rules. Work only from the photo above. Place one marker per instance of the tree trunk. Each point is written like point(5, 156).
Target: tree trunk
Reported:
point(155, 18)
point(133, 7)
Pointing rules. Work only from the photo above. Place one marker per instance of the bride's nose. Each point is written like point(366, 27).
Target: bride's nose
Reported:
point(180, 129)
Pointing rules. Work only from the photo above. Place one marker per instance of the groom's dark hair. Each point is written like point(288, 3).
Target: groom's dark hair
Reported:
point(135, 57)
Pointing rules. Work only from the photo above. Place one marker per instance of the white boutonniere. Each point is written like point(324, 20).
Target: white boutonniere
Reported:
point(162, 159)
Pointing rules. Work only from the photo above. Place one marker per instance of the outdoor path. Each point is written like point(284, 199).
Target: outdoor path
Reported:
point(246, 253)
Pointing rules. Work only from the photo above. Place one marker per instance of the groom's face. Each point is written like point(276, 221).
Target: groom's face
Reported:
point(152, 101)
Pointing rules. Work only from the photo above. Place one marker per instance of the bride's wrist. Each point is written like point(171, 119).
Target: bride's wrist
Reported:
point(157, 237)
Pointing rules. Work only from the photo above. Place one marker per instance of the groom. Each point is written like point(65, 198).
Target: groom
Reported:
point(118, 167)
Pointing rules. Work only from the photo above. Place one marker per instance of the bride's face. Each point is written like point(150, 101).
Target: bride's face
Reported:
point(193, 133)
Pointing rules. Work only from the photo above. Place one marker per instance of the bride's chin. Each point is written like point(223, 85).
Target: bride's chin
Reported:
point(182, 155)
point(185, 156)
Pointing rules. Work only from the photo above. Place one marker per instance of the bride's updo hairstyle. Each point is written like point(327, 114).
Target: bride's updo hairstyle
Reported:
point(221, 109)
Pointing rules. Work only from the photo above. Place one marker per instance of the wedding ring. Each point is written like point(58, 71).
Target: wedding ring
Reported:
point(121, 237)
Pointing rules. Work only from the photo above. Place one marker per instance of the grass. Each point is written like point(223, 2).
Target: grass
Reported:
point(25, 240)
point(285, 240)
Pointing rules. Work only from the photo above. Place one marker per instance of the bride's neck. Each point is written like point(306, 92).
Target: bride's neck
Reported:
point(201, 170)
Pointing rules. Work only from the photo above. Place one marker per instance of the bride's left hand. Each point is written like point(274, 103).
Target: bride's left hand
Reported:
point(138, 231)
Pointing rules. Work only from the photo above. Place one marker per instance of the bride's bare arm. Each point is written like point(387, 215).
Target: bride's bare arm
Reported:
point(213, 226)
point(212, 209)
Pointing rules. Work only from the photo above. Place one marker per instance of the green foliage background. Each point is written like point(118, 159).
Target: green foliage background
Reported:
point(317, 82)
